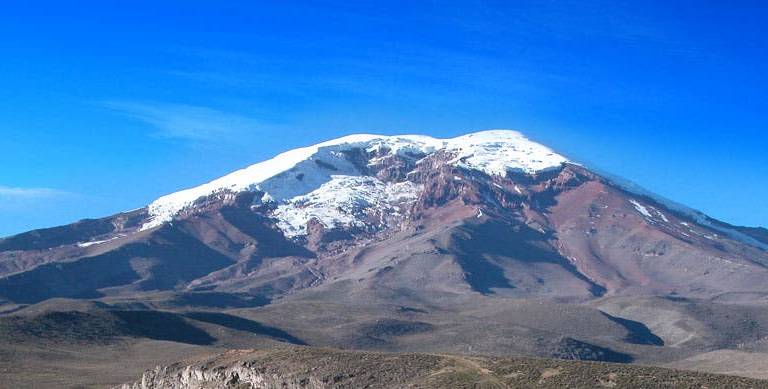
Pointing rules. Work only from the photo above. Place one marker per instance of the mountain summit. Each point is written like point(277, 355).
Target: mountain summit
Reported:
point(328, 165)
point(483, 243)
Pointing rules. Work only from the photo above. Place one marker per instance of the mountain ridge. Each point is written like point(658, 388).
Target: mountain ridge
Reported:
point(472, 152)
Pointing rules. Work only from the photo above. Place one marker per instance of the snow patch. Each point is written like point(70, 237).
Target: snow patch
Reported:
point(95, 242)
point(640, 208)
point(349, 201)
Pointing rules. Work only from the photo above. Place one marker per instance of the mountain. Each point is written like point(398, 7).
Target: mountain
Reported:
point(490, 212)
point(486, 243)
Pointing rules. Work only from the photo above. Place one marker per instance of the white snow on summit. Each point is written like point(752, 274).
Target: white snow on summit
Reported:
point(499, 151)
point(290, 176)
point(345, 200)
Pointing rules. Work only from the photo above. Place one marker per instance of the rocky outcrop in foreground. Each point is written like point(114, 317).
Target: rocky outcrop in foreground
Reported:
point(323, 368)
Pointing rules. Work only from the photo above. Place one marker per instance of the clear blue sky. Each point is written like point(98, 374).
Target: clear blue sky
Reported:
point(106, 105)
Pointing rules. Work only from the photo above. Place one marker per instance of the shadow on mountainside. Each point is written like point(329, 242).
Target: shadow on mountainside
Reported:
point(476, 243)
point(242, 324)
point(638, 333)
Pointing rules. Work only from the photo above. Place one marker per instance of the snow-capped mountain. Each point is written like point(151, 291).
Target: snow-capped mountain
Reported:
point(504, 214)
point(306, 182)
point(359, 241)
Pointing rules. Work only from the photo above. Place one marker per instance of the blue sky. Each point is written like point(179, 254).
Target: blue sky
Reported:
point(106, 105)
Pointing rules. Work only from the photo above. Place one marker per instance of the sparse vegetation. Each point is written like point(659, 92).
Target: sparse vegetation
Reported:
point(325, 368)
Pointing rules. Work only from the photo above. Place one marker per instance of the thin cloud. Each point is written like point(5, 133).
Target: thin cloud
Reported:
point(7, 192)
point(20, 200)
point(189, 122)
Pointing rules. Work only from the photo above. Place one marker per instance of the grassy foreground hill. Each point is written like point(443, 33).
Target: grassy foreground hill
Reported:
point(304, 367)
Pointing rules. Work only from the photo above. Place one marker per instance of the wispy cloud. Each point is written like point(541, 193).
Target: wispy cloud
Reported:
point(19, 200)
point(188, 122)
point(7, 192)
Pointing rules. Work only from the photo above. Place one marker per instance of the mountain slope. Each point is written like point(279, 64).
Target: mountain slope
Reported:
point(484, 243)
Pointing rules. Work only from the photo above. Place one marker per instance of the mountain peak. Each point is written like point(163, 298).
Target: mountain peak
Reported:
point(494, 152)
